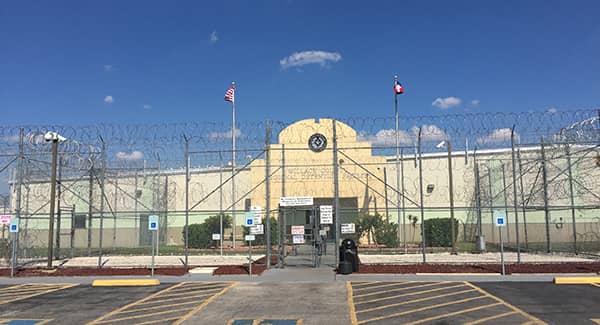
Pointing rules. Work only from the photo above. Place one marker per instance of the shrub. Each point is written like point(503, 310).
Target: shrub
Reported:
point(387, 234)
point(201, 233)
point(438, 232)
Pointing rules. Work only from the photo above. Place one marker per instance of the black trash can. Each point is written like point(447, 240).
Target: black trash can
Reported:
point(348, 254)
point(345, 267)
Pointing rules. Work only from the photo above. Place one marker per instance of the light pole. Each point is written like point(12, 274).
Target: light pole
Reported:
point(54, 138)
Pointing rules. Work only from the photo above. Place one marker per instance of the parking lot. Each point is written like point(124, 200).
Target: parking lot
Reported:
point(303, 303)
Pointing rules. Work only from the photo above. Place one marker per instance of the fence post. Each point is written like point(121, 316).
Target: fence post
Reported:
point(336, 194)
point(514, 186)
point(52, 201)
point(403, 201)
point(268, 193)
point(480, 237)
point(522, 188)
point(90, 207)
point(572, 197)
point(545, 188)
point(421, 195)
point(187, 199)
point(102, 198)
point(505, 202)
point(19, 189)
point(491, 200)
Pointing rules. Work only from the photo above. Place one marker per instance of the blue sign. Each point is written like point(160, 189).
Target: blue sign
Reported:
point(500, 218)
point(14, 224)
point(249, 219)
point(153, 222)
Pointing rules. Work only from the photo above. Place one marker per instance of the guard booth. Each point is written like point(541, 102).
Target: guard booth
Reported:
point(303, 238)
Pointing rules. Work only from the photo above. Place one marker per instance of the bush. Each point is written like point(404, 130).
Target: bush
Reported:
point(261, 239)
point(201, 234)
point(387, 234)
point(438, 232)
point(377, 229)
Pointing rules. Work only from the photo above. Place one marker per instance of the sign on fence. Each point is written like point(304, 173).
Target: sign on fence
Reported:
point(298, 230)
point(249, 237)
point(153, 222)
point(216, 236)
point(5, 219)
point(14, 224)
point(258, 214)
point(257, 230)
point(298, 239)
point(499, 218)
point(292, 201)
point(326, 214)
point(348, 228)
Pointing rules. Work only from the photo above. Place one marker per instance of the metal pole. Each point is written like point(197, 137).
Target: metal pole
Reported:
point(451, 196)
point(422, 197)
point(90, 199)
point(572, 197)
point(102, 198)
point(13, 256)
point(501, 250)
point(403, 202)
point(58, 212)
point(187, 200)
point(336, 194)
point(480, 239)
point(233, 134)
point(72, 239)
point(491, 201)
point(268, 193)
point(52, 202)
point(545, 187)
point(20, 185)
point(505, 203)
point(522, 197)
point(250, 259)
point(281, 213)
point(153, 248)
point(397, 139)
point(514, 186)
point(221, 203)
point(115, 204)
point(385, 193)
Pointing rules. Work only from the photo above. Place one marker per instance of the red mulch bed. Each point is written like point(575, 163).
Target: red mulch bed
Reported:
point(593, 267)
point(88, 271)
point(258, 267)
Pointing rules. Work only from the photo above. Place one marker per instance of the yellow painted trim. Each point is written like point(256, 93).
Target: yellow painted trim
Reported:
point(595, 320)
point(400, 289)
point(112, 320)
point(379, 286)
point(415, 300)
point(577, 280)
point(485, 319)
point(596, 284)
point(526, 315)
point(174, 299)
point(125, 283)
point(409, 294)
point(53, 287)
point(203, 304)
point(416, 310)
point(458, 312)
point(134, 310)
point(351, 307)
point(361, 284)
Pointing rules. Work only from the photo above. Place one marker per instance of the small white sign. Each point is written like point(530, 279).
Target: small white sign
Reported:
point(249, 237)
point(499, 218)
point(298, 230)
point(322, 232)
point(14, 225)
point(249, 219)
point(326, 214)
point(291, 201)
point(326, 228)
point(257, 230)
point(153, 222)
point(5, 219)
point(258, 214)
point(298, 239)
point(216, 236)
point(348, 228)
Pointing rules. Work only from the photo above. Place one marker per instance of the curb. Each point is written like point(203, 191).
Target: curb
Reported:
point(577, 280)
point(125, 283)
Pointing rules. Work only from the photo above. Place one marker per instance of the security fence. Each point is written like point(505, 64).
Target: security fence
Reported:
point(540, 170)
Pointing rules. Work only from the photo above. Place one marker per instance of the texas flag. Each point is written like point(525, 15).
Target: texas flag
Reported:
point(398, 89)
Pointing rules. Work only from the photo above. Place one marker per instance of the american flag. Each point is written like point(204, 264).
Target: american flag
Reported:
point(230, 94)
point(398, 89)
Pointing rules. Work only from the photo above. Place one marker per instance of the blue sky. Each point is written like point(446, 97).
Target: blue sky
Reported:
point(83, 62)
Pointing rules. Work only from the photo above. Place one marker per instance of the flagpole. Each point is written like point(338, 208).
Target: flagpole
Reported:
point(233, 134)
point(398, 195)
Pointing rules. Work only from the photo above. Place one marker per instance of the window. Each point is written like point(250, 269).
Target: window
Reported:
point(79, 221)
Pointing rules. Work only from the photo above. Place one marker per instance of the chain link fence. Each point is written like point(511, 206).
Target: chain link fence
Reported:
point(539, 169)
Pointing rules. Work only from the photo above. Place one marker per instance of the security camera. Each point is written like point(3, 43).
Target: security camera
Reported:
point(52, 136)
point(441, 145)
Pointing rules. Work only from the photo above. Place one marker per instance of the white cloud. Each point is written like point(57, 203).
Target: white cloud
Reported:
point(429, 132)
point(224, 134)
point(299, 59)
point(213, 37)
point(108, 67)
point(131, 156)
point(497, 135)
point(445, 103)
point(552, 110)
point(109, 99)
point(475, 102)
point(147, 106)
